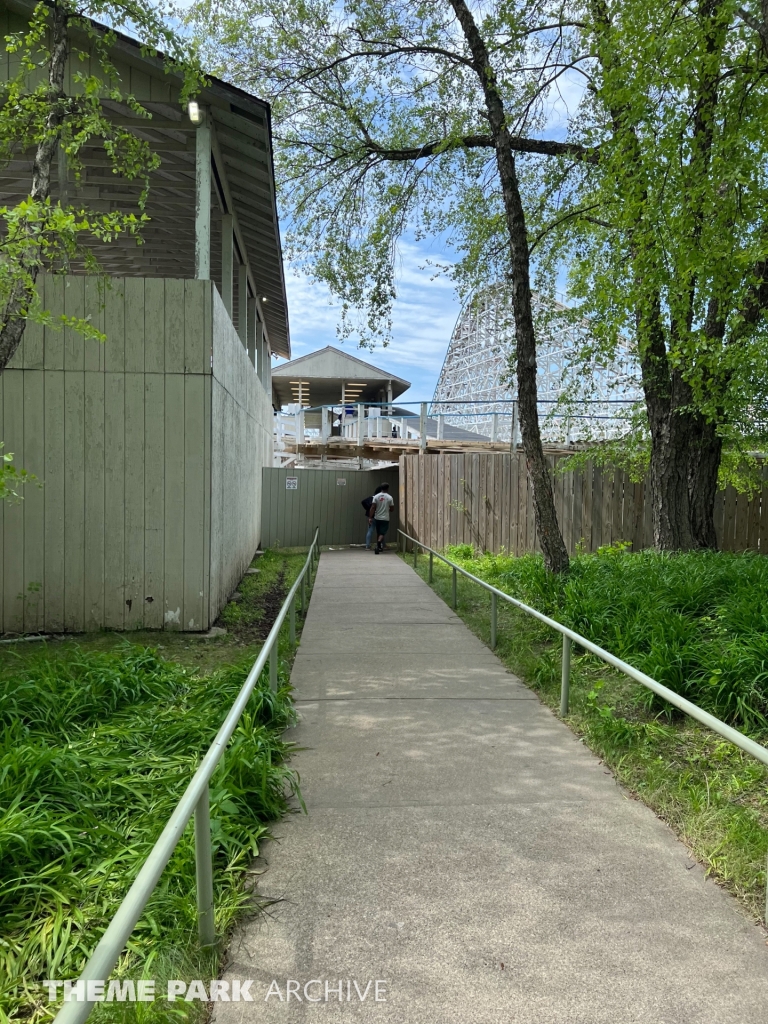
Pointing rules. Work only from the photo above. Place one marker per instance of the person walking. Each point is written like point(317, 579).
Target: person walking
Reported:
point(378, 515)
point(371, 532)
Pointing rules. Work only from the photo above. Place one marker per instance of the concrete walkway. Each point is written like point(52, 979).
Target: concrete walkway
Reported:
point(462, 845)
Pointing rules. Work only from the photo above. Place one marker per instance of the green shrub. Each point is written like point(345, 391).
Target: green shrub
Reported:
point(696, 622)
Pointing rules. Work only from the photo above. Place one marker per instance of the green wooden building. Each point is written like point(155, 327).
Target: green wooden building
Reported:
point(148, 448)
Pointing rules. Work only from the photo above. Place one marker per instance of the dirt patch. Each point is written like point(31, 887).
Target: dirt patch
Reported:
point(251, 619)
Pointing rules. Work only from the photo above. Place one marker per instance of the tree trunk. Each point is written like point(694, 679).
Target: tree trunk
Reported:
point(704, 454)
point(548, 529)
point(13, 321)
point(685, 449)
point(685, 460)
point(669, 480)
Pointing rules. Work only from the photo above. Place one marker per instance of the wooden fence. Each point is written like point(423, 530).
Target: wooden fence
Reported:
point(485, 500)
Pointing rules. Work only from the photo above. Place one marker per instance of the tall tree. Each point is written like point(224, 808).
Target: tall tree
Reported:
point(40, 116)
point(395, 117)
point(674, 251)
point(434, 116)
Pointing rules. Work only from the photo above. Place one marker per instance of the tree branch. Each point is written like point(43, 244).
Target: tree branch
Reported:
point(761, 27)
point(543, 147)
point(580, 212)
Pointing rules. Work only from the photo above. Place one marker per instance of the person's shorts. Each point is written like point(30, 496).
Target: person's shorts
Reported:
point(382, 525)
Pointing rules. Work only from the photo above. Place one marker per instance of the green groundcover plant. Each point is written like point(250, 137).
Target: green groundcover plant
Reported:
point(697, 622)
point(96, 749)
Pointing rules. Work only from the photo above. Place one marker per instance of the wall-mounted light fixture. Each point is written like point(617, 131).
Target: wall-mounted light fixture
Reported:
point(194, 111)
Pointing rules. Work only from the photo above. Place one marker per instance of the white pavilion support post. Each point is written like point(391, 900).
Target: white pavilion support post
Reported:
point(360, 424)
point(495, 428)
point(227, 263)
point(389, 398)
point(203, 200)
point(423, 427)
point(251, 335)
point(440, 426)
point(242, 303)
point(324, 421)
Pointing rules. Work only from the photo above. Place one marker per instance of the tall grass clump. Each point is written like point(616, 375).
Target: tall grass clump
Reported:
point(697, 622)
point(96, 749)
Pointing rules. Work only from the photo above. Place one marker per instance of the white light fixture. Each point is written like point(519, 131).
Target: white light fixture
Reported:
point(263, 298)
point(194, 111)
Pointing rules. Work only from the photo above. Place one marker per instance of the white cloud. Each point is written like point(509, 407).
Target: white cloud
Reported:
point(424, 315)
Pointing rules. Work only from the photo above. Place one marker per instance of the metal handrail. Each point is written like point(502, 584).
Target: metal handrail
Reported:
point(194, 801)
point(729, 733)
point(749, 746)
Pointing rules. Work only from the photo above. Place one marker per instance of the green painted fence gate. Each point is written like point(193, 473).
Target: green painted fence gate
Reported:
point(295, 501)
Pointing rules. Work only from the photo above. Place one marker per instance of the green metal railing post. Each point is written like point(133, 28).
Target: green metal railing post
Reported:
point(273, 665)
point(494, 621)
point(415, 553)
point(430, 566)
point(454, 590)
point(304, 594)
point(292, 622)
point(565, 684)
point(204, 871)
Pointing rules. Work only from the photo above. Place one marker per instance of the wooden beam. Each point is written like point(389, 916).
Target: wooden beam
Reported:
point(240, 124)
point(222, 170)
point(227, 261)
point(203, 201)
point(242, 303)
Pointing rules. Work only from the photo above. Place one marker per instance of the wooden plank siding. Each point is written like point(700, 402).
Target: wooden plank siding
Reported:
point(126, 439)
point(240, 448)
point(484, 499)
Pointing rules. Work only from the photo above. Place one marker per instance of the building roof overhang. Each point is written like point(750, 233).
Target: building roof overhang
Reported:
point(317, 379)
point(243, 183)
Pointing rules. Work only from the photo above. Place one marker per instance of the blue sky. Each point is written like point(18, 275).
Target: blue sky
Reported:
point(426, 307)
point(424, 315)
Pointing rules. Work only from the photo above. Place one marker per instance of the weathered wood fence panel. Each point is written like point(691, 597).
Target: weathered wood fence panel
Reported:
point(131, 440)
point(291, 513)
point(485, 500)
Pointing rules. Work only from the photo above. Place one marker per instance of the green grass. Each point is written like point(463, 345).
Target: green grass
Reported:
point(99, 738)
point(696, 622)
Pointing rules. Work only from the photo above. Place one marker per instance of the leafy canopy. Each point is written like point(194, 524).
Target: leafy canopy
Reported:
point(674, 251)
point(40, 233)
point(381, 130)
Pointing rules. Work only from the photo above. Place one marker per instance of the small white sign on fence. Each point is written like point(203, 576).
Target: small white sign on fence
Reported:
point(340, 481)
point(291, 483)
